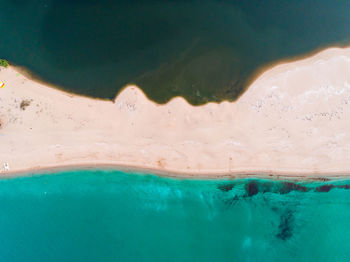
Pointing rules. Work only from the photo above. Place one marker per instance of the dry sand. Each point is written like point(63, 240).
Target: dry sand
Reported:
point(293, 120)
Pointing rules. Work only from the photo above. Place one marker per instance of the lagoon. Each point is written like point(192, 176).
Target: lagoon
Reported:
point(202, 50)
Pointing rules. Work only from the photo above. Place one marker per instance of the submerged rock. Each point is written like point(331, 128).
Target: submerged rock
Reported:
point(226, 187)
point(344, 186)
point(285, 230)
point(287, 187)
point(324, 188)
point(252, 188)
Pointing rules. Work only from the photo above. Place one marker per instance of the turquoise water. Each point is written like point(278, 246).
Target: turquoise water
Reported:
point(114, 216)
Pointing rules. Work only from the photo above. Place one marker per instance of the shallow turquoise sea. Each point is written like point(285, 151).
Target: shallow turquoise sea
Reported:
point(115, 216)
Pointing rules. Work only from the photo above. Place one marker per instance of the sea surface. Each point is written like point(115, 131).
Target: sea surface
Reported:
point(204, 50)
point(114, 216)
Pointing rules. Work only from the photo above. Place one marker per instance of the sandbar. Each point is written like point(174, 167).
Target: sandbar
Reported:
point(292, 121)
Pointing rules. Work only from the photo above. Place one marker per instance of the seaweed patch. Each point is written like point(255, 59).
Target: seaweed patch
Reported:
point(226, 187)
point(287, 187)
point(324, 188)
point(252, 188)
point(327, 188)
point(344, 187)
point(285, 230)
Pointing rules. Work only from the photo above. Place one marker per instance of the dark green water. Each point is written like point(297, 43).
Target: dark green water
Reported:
point(205, 50)
point(113, 216)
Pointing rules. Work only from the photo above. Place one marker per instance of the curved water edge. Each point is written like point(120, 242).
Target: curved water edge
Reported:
point(248, 81)
point(205, 51)
point(112, 215)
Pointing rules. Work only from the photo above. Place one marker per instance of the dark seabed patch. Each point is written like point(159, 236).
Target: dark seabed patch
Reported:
point(226, 187)
point(324, 188)
point(284, 187)
point(287, 187)
point(285, 228)
point(328, 187)
point(344, 187)
point(252, 188)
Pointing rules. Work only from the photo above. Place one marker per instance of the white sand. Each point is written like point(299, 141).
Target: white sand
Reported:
point(293, 120)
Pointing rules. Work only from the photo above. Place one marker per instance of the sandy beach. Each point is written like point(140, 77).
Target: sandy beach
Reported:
point(292, 121)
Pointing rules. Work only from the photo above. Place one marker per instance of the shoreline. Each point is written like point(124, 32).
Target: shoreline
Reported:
point(286, 61)
point(253, 174)
point(273, 174)
point(260, 72)
point(293, 114)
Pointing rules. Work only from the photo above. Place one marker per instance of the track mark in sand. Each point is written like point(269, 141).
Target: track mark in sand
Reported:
point(161, 163)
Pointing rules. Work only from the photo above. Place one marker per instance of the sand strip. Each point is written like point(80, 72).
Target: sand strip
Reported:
point(292, 121)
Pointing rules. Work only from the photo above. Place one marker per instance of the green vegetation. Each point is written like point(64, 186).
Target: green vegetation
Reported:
point(4, 63)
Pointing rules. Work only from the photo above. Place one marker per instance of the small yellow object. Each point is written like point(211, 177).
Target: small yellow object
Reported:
point(2, 85)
